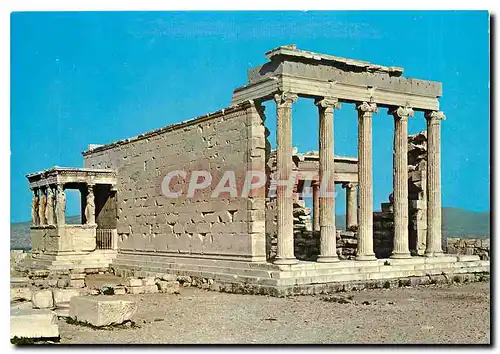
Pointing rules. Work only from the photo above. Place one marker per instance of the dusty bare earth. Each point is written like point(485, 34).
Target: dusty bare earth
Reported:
point(448, 314)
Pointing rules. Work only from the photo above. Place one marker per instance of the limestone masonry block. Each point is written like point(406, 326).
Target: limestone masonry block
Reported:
point(150, 289)
point(135, 290)
point(62, 283)
point(17, 294)
point(168, 287)
point(168, 277)
point(77, 283)
point(120, 290)
point(133, 282)
point(42, 299)
point(64, 295)
point(26, 323)
point(101, 311)
point(148, 281)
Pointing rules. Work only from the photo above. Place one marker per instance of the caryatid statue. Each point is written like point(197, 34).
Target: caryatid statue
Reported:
point(90, 206)
point(49, 208)
point(41, 207)
point(34, 207)
point(60, 205)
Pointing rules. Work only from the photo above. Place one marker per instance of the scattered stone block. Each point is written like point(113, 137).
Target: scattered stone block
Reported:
point(149, 281)
point(25, 323)
point(169, 287)
point(42, 299)
point(133, 282)
point(77, 283)
point(20, 294)
point(120, 290)
point(62, 283)
point(52, 283)
point(62, 312)
point(64, 295)
point(77, 276)
point(25, 305)
point(101, 311)
point(40, 273)
point(150, 289)
point(184, 279)
point(134, 290)
point(168, 277)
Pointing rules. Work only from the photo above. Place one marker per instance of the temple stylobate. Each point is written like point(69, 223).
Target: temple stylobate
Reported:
point(330, 80)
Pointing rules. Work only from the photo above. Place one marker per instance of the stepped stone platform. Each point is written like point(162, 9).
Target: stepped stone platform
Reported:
point(304, 277)
point(60, 261)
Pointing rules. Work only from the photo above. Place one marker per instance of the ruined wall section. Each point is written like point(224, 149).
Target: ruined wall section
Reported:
point(228, 227)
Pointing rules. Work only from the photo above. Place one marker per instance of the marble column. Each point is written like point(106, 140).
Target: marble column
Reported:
point(90, 205)
point(60, 205)
point(400, 182)
point(328, 234)
point(351, 209)
point(34, 207)
point(365, 182)
point(433, 248)
point(49, 208)
point(41, 206)
point(284, 191)
point(315, 190)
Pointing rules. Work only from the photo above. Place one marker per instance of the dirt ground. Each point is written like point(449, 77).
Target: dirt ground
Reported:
point(450, 314)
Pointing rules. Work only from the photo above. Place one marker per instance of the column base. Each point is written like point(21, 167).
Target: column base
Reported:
point(327, 259)
point(400, 255)
point(366, 257)
point(433, 254)
point(285, 261)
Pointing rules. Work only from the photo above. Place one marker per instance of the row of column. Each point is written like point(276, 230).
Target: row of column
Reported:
point(48, 205)
point(326, 188)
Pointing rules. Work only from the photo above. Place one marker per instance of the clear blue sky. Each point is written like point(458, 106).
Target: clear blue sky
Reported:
point(80, 78)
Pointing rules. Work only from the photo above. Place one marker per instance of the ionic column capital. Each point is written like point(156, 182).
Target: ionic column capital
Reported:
point(367, 107)
point(285, 98)
point(349, 185)
point(327, 103)
point(401, 112)
point(434, 116)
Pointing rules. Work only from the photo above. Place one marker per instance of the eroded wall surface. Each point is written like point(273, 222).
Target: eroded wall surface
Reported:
point(228, 226)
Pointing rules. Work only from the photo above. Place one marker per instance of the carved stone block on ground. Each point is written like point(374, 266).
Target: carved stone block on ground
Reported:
point(42, 299)
point(20, 294)
point(25, 323)
point(169, 287)
point(64, 295)
point(101, 311)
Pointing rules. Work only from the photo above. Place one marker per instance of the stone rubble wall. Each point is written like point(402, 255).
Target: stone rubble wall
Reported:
point(230, 227)
point(469, 246)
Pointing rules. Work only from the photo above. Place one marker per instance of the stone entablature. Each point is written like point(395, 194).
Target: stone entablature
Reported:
point(62, 175)
point(316, 75)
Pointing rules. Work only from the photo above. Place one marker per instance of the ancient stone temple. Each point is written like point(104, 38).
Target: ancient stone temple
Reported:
point(163, 194)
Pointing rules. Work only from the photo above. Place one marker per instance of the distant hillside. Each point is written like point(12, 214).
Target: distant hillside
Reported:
point(20, 232)
point(456, 223)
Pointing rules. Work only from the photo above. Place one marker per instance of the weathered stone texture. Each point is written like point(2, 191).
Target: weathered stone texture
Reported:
point(99, 311)
point(28, 323)
point(469, 246)
point(148, 221)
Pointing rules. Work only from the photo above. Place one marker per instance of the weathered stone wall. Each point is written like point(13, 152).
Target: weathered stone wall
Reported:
point(469, 246)
point(230, 227)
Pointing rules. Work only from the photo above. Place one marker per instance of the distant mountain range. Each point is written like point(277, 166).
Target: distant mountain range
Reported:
point(456, 223)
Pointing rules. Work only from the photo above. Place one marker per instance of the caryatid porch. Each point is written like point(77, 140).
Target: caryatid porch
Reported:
point(330, 80)
point(51, 235)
